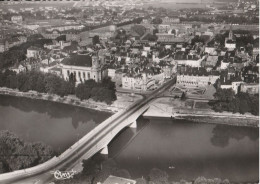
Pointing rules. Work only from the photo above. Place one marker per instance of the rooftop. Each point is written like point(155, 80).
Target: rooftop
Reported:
point(118, 180)
point(78, 60)
point(34, 48)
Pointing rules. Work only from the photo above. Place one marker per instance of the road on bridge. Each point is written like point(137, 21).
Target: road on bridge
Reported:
point(75, 156)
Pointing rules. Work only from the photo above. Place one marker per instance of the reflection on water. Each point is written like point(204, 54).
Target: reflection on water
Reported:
point(183, 149)
point(52, 109)
point(55, 124)
point(222, 134)
point(186, 150)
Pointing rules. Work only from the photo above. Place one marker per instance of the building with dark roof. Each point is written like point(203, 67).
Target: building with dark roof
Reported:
point(82, 67)
point(193, 76)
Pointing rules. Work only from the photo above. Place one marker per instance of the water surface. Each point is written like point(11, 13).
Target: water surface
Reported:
point(183, 149)
point(187, 150)
point(55, 124)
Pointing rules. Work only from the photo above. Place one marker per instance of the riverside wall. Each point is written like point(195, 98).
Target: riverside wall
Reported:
point(234, 121)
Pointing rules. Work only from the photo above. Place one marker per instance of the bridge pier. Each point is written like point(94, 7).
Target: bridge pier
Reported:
point(104, 151)
point(133, 125)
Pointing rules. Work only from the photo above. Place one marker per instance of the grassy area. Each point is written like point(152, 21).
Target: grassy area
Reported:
point(189, 103)
point(202, 105)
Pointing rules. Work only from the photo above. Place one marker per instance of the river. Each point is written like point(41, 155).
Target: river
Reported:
point(185, 150)
point(55, 124)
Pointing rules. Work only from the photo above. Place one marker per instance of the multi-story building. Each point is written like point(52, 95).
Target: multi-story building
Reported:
point(250, 88)
point(51, 34)
point(66, 27)
point(191, 76)
point(195, 80)
point(72, 35)
point(137, 82)
point(190, 60)
point(2, 46)
point(33, 52)
point(170, 20)
point(17, 19)
point(234, 86)
point(171, 38)
point(18, 68)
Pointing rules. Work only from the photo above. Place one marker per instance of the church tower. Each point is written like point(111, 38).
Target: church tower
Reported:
point(230, 41)
point(230, 35)
point(96, 69)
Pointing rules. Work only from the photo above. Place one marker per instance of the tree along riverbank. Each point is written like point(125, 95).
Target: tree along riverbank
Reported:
point(158, 109)
point(123, 100)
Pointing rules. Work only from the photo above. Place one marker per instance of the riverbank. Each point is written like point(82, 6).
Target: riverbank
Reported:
point(187, 110)
point(123, 100)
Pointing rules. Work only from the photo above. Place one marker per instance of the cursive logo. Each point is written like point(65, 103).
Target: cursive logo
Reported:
point(62, 175)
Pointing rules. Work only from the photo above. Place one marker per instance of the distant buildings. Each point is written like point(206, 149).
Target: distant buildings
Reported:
point(18, 68)
point(66, 27)
point(33, 52)
point(17, 19)
point(7, 43)
point(170, 38)
point(51, 34)
point(57, 45)
point(169, 20)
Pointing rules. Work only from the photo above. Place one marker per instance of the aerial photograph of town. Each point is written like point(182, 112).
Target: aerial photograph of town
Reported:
point(129, 91)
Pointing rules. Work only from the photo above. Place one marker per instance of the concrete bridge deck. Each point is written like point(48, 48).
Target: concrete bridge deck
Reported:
point(87, 146)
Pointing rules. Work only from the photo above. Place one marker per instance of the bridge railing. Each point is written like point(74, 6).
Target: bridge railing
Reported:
point(93, 132)
point(28, 171)
point(105, 140)
point(50, 163)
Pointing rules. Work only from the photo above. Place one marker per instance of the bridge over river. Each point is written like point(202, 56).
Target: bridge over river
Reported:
point(93, 142)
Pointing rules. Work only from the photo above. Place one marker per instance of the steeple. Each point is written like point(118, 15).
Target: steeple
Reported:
point(230, 36)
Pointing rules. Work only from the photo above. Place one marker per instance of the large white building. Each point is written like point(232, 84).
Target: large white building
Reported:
point(17, 19)
point(33, 52)
point(234, 86)
point(139, 82)
point(188, 62)
point(83, 67)
point(170, 20)
point(250, 88)
point(191, 80)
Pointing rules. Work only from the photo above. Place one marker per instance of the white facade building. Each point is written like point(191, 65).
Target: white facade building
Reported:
point(191, 80)
point(192, 63)
point(33, 52)
point(17, 19)
point(82, 68)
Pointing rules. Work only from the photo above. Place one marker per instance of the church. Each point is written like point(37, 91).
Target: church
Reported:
point(230, 41)
point(82, 67)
